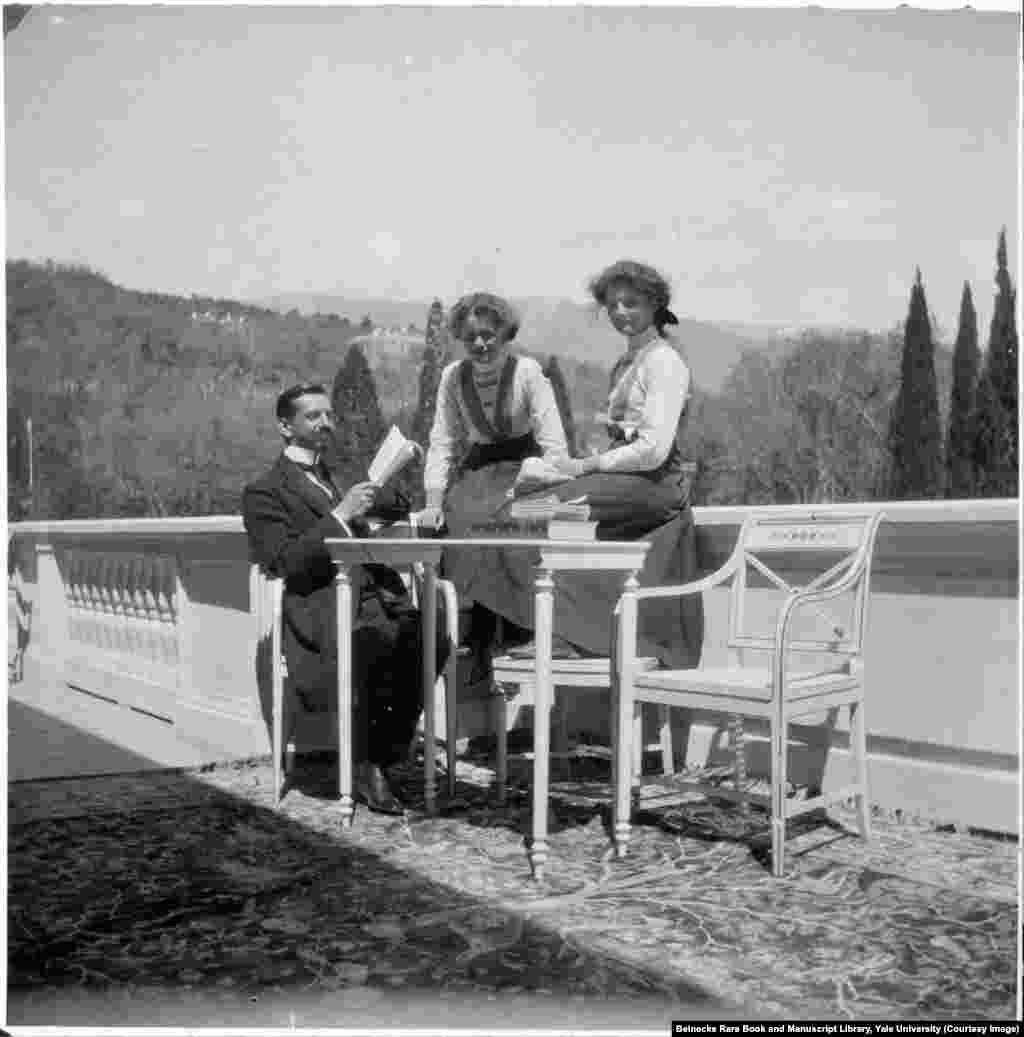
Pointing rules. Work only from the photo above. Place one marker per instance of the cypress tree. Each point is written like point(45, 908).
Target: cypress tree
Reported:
point(960, 433)
point(553, 373)
point(410, 481)
point(435, 319)
point(430, 375)
point(997, 434)
point(360, 423)
point(915, 443)
point(1002, 343)
point(438, 336)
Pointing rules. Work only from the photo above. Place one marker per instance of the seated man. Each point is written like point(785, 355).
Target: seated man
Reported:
point(287, 514)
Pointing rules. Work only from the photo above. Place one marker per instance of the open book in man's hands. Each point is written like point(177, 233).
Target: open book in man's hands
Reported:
point(393, 455)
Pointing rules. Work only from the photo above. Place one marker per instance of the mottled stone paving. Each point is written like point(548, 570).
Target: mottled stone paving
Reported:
point(190, 890)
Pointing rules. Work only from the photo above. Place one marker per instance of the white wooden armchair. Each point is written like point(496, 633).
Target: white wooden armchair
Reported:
point(288, 714)
point(840, 546)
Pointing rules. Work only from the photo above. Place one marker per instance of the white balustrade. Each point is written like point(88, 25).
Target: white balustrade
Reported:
point(123, 610)
point(164, 614)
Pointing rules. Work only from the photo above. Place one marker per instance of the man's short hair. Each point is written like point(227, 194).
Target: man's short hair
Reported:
point(286, 401)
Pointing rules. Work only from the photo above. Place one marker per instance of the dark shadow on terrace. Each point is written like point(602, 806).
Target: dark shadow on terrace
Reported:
point(186, 892)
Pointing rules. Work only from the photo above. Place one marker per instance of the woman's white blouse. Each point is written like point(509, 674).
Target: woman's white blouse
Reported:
point(647, 403)
point(529, 407)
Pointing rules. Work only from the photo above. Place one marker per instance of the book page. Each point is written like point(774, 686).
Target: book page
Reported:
point(392, 456)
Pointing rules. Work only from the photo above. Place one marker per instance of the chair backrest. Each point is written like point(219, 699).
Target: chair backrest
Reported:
point(825, 550)
point(266, 593)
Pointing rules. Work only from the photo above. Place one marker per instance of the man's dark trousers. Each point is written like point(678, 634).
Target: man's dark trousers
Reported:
point(287, 519)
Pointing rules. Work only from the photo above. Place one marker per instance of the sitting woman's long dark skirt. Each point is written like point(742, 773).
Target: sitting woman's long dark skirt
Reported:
point(652, 507)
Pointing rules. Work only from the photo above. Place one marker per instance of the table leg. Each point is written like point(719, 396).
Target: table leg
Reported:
point(623, 699)
point(499, 708)
point(451, 685)
point(277, 691)
point(343, 591)
point(429, 619)
point(543, 619)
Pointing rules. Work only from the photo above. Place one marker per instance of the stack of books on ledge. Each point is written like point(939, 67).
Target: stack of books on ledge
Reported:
point(560, 520)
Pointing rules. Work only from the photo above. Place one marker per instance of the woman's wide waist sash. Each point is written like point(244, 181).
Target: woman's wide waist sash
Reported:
point(480, 455)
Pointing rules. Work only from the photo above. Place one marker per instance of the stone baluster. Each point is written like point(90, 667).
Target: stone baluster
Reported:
point(77, 569)
point(119, 625)
point(93, 604)
point(106, 603)
point(131, 605)
point(71, 593)
point(140, 606)
point(152, 613)
point(81, 589)
point(166, 608)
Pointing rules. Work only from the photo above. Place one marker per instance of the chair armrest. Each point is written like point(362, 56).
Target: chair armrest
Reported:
point(446, 591)
point(695, 586)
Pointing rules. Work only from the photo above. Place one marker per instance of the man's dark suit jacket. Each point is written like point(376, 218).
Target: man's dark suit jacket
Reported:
point(287, 519)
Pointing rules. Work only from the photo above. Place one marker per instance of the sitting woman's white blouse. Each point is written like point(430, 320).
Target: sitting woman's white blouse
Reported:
point(527, 405)
point(646, 404)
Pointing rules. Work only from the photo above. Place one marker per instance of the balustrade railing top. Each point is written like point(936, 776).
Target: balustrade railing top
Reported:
point(904, 511)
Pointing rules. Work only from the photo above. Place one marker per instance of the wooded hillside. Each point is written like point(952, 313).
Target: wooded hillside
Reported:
point(149, 404)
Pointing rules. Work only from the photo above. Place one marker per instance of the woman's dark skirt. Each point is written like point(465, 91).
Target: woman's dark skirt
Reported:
point(626, 507)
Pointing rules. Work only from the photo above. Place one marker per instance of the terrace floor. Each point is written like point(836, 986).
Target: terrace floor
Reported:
point(183, 897)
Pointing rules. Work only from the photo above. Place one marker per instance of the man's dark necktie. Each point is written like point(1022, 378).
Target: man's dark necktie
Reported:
point(320, 472)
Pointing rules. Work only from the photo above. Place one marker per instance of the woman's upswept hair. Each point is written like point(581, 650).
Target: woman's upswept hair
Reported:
point(479, 304)
point(643, 279)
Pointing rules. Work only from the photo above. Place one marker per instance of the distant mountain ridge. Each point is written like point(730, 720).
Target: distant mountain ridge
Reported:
point(564, 328)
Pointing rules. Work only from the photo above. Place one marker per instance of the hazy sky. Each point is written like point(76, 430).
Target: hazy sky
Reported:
point(780, 165)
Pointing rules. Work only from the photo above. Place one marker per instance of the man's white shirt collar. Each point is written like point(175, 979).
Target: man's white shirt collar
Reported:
point(301, 454)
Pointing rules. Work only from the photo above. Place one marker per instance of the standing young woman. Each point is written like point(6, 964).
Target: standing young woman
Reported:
point(494, 409)
point(637, 488)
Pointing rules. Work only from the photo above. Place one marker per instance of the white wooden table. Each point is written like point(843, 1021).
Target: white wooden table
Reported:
point(555, 556)
point(397, 553)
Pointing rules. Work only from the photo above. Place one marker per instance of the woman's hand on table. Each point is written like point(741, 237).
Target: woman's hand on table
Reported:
point(357, 502)
point(430, 518)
